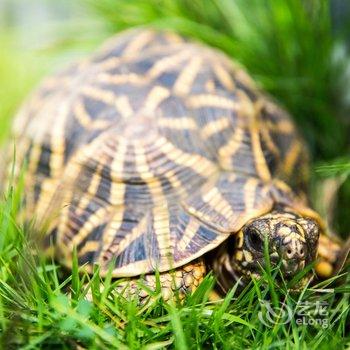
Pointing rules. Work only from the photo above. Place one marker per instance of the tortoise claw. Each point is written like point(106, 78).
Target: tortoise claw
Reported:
point(333, 256)
point(342, 257)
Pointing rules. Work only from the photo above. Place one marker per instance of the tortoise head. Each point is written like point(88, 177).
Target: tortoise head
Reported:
point(292, 242)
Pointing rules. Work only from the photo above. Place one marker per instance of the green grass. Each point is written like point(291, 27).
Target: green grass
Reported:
point(44, 306)
point(291, 50)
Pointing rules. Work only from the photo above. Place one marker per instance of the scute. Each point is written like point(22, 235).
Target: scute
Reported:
point(153, 152)
point(229, 201)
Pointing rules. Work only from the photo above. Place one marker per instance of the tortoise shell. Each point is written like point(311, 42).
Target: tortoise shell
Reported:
point(153, 152)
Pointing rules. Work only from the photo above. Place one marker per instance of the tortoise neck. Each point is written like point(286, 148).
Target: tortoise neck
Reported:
point(219, 262)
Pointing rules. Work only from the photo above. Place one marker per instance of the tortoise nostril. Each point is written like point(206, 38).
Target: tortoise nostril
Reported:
point(296, 252)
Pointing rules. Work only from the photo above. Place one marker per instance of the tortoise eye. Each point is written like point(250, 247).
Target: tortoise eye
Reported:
point(253, 239)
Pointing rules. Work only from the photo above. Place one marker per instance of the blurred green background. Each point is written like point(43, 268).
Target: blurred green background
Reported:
point(296, 50)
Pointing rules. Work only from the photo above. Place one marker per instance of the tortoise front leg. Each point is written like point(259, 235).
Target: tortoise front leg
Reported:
point(181, 281)
point(332, 255)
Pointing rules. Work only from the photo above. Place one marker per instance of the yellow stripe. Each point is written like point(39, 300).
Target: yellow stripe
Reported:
point(97, 94)
point(167, 63)
point(249, 193)
point(155, 97)
point(138, 43)
point(292, 157)
point(34, 157)
point(219, 203)
point(120, 79)
point(174, 181)
point(260, 161)
point(92, 190)
point(85, 119)
point(72, 171)
point(268, 140)
point(224, 76)
point(210, 86)
point(117, 168)
point(161, 227)
point(215, 126)
point(136, 232)
point(94, 220)
point(282, 126)
point(189, 234)
point(179, 157)
point(227, 151)
point(173, 38)
point(178, 123)
point(57, 151)
point(109, 63)
point(111, 230)
point(48, 190)
point(252, 113)
point(143, 169)
point(122, 103)
point(184, 82)
point(90, 246)
point(209, 100)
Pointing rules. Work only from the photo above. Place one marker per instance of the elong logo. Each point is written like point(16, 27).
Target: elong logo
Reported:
point(305, 313)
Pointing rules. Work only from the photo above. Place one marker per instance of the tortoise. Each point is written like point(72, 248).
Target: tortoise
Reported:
point(161, 154)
